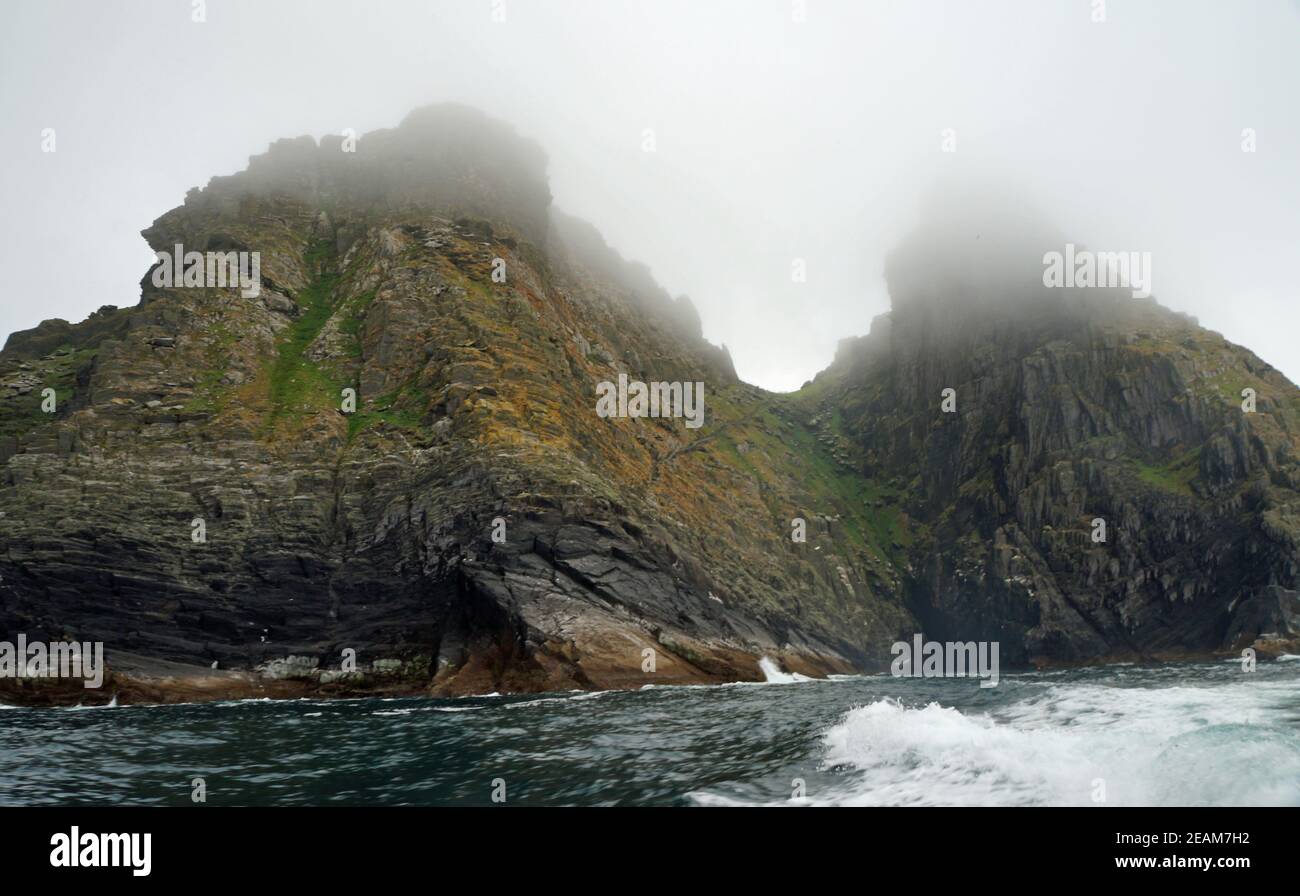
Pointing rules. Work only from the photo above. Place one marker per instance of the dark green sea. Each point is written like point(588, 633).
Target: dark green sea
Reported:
point(1197, 734)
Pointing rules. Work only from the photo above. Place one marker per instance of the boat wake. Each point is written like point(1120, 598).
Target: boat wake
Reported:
point(1069, 744)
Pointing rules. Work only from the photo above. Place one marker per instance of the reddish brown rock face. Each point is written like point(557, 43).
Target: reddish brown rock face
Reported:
point(473, 525)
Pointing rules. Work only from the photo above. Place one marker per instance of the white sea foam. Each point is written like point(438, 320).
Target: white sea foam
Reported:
point(569, 697)
point(772, 672)
point(1178, 745)
point(406, 711)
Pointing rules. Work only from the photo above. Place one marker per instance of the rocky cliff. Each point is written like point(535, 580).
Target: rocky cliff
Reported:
point(203, 496)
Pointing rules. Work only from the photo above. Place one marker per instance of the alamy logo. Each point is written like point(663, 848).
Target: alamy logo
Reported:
point(638, 399)
point(77, 850)
point(948, 659)
point(1079, 268)
point(210, 269)
point(60, 659)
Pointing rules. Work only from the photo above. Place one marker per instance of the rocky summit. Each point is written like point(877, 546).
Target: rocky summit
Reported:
point(383, 471)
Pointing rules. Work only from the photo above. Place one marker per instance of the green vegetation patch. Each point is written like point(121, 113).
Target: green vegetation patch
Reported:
point(297, 384)
point(1176, 476)
point(20, 414)
point(392, 409)
point(350, 325)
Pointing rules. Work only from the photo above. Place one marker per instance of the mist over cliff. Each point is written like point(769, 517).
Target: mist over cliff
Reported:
point(717, 145)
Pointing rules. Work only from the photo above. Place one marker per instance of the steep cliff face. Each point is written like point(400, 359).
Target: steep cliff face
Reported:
point(1096, 488)
point(475, 525)
point(476, 416)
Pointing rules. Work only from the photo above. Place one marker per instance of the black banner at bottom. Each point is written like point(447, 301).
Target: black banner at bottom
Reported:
point(331, 845)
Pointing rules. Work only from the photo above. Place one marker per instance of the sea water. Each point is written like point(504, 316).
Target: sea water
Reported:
point(1188, 734)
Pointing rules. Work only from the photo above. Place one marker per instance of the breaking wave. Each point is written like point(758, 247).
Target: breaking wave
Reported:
point(773, 675)
point(1074, 745)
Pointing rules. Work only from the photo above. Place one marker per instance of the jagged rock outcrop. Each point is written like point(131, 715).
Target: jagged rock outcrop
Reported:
point(474, 525)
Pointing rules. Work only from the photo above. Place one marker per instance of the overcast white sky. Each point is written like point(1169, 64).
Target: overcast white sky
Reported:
point(775, 139)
